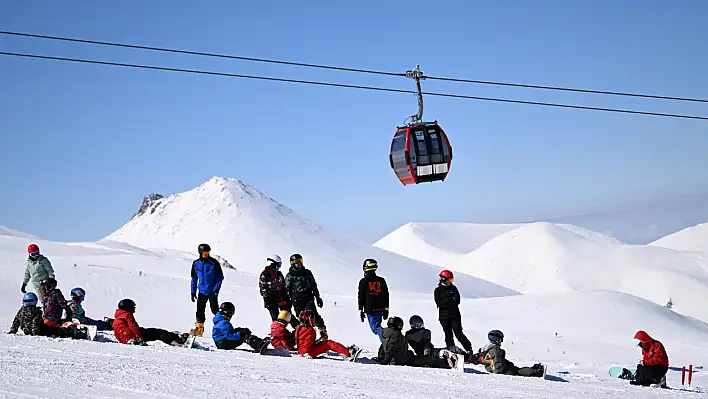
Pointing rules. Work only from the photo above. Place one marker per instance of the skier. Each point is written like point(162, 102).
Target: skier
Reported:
point(373, 297)
point(37, 268)
point(494, 359)
point(447, 299)
point(394, 350)
point(272, 286)
point(305, 340)
point(302, 289)
point(54, 303)
point(127, 331)
point(29, 320)
point(654, 364)
point(225, 336)
point(76, 311)
point(419, 338)
point(280, 337)
point(207, 276)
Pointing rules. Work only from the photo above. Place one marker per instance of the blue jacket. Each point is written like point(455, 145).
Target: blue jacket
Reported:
point(223, 329)
point(207, 276)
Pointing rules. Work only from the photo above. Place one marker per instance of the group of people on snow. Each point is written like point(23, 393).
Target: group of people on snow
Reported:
point(281, 294)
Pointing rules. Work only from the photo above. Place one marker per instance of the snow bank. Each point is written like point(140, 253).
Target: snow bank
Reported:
point(694, 238)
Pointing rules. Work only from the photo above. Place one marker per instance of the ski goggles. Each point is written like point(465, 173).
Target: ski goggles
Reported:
point(451, 279)
point(206, 253)
point(34, 254)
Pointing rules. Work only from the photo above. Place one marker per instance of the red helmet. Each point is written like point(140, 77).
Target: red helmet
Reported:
point(446, 274)
point(32, 248)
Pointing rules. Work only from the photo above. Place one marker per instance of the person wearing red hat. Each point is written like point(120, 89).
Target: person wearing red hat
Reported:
point(447, 298)
point(37, 269)
point(654, 364)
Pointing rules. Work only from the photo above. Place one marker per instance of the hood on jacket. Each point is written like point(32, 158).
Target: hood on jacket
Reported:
point(219, 318)
point(121, 313)
point(643, 337)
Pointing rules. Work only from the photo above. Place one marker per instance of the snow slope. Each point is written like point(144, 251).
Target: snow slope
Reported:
point(245, 226)
point(6, 231)
point(694, 238)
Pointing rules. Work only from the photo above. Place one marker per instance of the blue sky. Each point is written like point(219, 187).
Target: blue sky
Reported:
point(83, 144)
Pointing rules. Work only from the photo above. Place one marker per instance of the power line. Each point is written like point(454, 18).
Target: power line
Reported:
point(385, 89)
point(319, 66)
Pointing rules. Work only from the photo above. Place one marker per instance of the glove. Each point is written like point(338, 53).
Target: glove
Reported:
point(24, 285)
point(319, 302)
point(385, 314)
point(245, 331)
point(194, 296)
point(361, 315)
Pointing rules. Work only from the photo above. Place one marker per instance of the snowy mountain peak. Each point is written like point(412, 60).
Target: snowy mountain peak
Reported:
point(6, 231)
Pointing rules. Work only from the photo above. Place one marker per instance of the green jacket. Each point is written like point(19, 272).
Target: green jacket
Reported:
point(494, 359)
point(38, 270)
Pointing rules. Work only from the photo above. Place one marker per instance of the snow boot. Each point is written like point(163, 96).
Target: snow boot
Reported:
point(198, 329)
point(354, 352)
point(660, 384)
point(323, 334)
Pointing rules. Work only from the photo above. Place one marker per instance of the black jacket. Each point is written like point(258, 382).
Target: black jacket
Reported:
point(373, 293)
point(301, 285)
point(420, 341)
point(448, 300)
point(272, 286)
point(29, 319)
point(394, 348)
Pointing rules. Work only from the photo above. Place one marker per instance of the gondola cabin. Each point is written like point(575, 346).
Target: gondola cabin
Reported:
point(420, 153)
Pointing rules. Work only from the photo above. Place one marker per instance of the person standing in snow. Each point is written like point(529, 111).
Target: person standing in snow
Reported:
point(207, 276)
point(37, 268)
point(447, 299)
point(302, 289)
point(654, 364)
point(373, 297)
point(272, 287)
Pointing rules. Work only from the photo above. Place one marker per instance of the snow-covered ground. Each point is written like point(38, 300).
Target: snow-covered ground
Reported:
point(694, 238)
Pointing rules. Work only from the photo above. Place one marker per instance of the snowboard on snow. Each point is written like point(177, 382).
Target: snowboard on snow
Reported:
point(619, 372)
point(191, 340)
point(357, 352)
point(264, 346)
point(91, 330)
point(458, 360)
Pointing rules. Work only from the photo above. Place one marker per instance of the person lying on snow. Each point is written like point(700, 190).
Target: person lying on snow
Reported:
point(305, 339)
point(127, 331)
point(494, 359)
point(394, 350)
point(280, 337)
point(29, 320)
point(654, 364)
point(76, 311)
point(225, 336)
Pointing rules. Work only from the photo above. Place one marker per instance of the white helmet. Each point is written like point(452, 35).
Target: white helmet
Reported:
point(275, 259)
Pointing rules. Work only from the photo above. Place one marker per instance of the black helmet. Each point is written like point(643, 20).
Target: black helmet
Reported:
point(370, 265)
point(227, 309)
point(307, 317)
point(295, 258)
point(395, 322)
point(416, 322)
point(127, 304)
point(203, 248)
point(48, 283)
point(496, 336)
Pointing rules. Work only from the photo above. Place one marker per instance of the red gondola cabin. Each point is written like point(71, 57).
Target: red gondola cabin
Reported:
point(420, 153)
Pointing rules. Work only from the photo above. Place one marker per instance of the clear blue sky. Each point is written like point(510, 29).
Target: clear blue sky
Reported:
point(83, 144)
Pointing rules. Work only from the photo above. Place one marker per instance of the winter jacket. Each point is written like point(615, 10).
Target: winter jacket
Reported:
point(76, 311)
point(54, 305)
point(394, 348)
point(37, 270)
point(447, 298)
point(223, 330)
point(494, 359)
point(653, 352)
point(272, 286)
point(420, 341)
point(207, 276)
point(29, 319)
point(125, 327)
point(280, 337)
point(304, 338)
point(301, 285)
point(373, 293)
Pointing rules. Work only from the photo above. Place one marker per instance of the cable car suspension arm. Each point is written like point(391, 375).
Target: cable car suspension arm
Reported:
point(417, 75)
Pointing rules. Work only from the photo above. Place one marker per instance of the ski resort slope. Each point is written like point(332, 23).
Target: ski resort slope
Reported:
point(693, 238)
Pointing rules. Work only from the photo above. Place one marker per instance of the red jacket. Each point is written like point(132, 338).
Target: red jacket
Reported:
point(125, 327)
point(280, 337)
point(305, 338)
point(653, 351)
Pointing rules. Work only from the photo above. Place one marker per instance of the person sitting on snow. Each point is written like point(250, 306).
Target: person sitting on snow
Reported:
point(29, 320)
point(305, 339)
point(420, 338)
point(54, 303)
point(394, 350)
point(127, 330)
point(280, 337)
point(494, 359)
point(76, 311)
point(654, 364)
point(225, 336)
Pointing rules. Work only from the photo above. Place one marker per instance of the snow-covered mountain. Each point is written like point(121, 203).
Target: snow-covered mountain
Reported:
point(6, 231)
point(245, 226)
point(694, 238)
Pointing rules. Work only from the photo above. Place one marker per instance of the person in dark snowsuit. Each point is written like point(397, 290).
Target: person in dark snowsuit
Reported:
point(394, 350)
point(272, 287)
point(420, 338)
point(494, 359)
point(54, 303)
point(227, 337)
point(654, 364)
point(447, 299)
point(373, 297)
point(302, 289)
point(207, 276)
point(29, 319)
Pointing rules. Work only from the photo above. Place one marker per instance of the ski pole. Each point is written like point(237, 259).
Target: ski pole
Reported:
point(690, 374)
point(683, 375)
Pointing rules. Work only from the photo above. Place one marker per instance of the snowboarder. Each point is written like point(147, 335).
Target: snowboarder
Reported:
point(654, 364)
point(127, 331)
point(447, 299)
point(394, 350)
point(419, 338)
point(225, 336)
point(29, 320)
point(207, 276)
point(305, 340)
point(76, 311)
point(373, 297)
point(302, 289)
point(280, 336)
point(494, 359)
point(272, 287)
point(37, 268)
point(54, 303)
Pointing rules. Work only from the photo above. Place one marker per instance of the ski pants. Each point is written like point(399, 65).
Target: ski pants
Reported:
point(454, 326)
point(275, 309)
point(647, 375)
point(252, 341)
point(375, 323)
point(511, 369)
point(428, 361)
point(201, 305)
point(100, 324)
point(158, 334)
point(62, 332)
point(299, 307)
point(40, 291)
point(329, 345)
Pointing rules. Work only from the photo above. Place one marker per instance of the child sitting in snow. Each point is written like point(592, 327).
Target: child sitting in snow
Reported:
point(494, 359)
point(127, 330)
point(305, 339)
point(76, 311)
point(394, 350)
point(54, 303)
point(419, 338)
point(225, 336)
point(281, 338)
point(29, 320)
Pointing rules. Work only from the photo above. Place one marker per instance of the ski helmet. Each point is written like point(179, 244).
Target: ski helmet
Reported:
point(29, 299)
point(78, 293)
point(495, 336)
point(395, 322)
point(33, 250)
point(127, 304)
point(49, 284)
point(295, 258)
point(227, 309)
point(284, 315)
point(416, 322)
point(447, 275)
point(203, 248)
point(274, 260)
point(370, 265)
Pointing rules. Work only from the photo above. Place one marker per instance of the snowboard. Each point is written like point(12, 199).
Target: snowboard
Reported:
point(357, 352)
point(92, 331)
point(264, 346)
point(618, 371)
point(189, 344)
